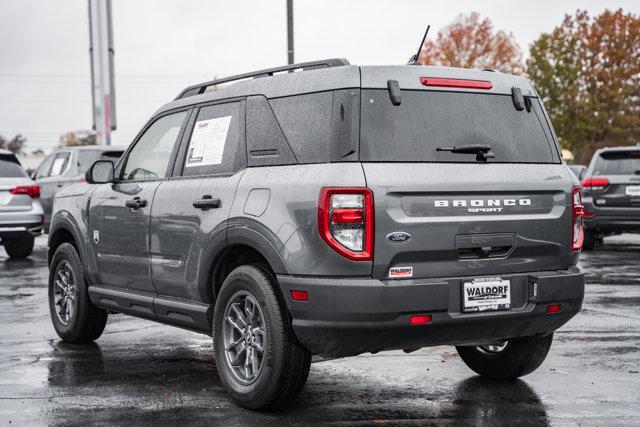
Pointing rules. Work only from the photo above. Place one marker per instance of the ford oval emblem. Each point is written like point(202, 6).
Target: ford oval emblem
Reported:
point(398, 236)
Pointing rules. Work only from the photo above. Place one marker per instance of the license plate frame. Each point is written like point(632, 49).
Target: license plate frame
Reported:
point(476, 299)
point(632, 190)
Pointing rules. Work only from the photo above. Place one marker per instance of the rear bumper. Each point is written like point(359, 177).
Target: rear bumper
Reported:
point(20, 222)
point(613, 224)
point(346, 317)
point(611, 220)
point(8, 229)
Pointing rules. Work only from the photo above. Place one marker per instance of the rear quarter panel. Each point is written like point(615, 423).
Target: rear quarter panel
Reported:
point(70, 212)
point(284, 199)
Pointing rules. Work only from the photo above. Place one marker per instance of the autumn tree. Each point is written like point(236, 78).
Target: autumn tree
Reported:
point(73, 139)
point(587, 71)
point(470, 42)
point(15, 144)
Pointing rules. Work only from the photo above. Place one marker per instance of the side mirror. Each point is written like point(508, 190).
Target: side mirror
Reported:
point(101, 172)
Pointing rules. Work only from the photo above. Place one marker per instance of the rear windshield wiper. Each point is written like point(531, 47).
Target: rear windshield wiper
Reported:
point(482, 151)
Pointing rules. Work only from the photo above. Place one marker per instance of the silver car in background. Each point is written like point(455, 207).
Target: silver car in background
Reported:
point(21, 214)
point(66, 166)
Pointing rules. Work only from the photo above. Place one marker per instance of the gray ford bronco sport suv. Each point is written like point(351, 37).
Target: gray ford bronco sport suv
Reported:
point(326, 208)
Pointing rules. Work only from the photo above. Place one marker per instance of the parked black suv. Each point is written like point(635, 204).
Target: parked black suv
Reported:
point(611, 193)
point(325, 208)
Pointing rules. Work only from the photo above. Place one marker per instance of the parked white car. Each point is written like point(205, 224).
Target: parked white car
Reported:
point(21, 214)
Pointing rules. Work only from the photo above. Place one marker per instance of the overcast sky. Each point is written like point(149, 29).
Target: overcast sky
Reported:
point(162, 46)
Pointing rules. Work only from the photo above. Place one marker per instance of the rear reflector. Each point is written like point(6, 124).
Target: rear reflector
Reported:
point(421, 319)
point(465, 84)
point(300, 295)
point(32, 191)
point(554, 308)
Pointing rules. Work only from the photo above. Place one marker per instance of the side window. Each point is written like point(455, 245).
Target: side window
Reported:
point(60, 163)
point(45, 167)
point(86, 158)
point(266, 144)
point(306, 123)
point(216, 144)
point(149, 158)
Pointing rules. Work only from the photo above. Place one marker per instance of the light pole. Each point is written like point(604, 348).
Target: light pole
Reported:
point(102, 75)
point(290, 31)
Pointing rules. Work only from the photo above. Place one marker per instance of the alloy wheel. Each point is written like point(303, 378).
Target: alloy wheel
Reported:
point(244, 337)
point(64, 292)
point(493, 349)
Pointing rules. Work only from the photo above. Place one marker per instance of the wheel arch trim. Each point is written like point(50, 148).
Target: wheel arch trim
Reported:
point(63, 220)
point(220, 244)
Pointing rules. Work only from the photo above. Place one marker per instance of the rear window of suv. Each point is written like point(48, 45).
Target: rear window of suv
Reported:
point(9, 169)
point(426, 120)
point(618, 163)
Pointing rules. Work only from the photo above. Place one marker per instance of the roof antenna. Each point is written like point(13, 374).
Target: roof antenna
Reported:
point(414, 59)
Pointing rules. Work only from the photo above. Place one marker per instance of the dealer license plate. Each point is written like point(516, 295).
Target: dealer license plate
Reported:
point(633, 190)
point(486, 294)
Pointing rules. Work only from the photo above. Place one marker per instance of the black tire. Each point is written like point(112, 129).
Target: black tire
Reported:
point(87, 321)
point(285, 367)
point(19, 247)
point(520, 357)
point(589, 242)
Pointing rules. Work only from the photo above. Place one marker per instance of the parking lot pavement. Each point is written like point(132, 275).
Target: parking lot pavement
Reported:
point(140, 372)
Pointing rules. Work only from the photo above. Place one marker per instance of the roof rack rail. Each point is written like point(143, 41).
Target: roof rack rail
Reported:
point(303, 66)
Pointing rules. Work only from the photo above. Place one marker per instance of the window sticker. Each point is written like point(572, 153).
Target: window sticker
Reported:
point(207, 142)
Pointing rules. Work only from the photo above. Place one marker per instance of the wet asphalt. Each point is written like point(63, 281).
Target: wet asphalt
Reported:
point(140, 372)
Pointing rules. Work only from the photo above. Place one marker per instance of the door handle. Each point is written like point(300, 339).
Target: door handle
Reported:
point(207, 202)
point(136, 203)
point(59, 184)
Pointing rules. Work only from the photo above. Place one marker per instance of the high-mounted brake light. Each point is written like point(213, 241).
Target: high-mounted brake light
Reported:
point(577, 213)
point(32, 191)
point(597, 183)
point(460, 83)
point(345, 221)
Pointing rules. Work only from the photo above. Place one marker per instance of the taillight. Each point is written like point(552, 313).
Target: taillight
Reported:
point(577, 213)
point(460, 83)
point(595, 183)
point(32, 191)
point(345, 221)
